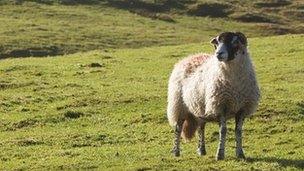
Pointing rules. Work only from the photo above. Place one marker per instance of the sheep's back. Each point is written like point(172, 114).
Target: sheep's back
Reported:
point(191, 63)
point(185, 68)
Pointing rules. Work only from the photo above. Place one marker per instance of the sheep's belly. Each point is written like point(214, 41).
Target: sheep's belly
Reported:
point(193, 98)
point(228, 103)
point(205, 108)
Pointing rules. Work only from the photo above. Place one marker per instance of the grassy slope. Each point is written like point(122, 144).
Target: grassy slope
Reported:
point(89, 27)
point(60, 113)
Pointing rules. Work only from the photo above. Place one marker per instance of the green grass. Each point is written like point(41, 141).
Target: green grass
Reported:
point(78, 28)
point(83, 28)
point(62, 113)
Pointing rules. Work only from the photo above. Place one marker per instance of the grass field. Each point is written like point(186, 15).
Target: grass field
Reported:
point(83, 28)
point(68, 112)
point(99, 102)
point(49, 28)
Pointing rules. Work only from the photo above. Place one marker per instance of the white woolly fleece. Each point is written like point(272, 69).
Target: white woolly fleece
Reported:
point(202, 86)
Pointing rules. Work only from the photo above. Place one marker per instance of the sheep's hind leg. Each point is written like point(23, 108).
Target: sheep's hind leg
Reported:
point(239, 119)
point(220, 155)
point(178, 131)
point(201, 143)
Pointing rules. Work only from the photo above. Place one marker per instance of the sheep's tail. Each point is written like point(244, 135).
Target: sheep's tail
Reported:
point(189, 127)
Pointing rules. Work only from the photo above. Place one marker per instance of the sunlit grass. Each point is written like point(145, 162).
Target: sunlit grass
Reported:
point(61, 113)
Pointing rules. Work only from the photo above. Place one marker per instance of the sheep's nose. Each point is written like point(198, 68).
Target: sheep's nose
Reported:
point(219, 53)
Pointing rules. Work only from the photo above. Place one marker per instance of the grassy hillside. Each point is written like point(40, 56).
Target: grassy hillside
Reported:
point(106, 110)
point(47, 27)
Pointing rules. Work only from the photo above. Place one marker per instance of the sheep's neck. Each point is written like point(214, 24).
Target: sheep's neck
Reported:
point(235, 69)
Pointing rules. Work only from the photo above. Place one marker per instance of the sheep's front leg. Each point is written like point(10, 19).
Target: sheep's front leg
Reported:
point(239, 119)
point(220, 155)
point(201, 143)
point(178, 131)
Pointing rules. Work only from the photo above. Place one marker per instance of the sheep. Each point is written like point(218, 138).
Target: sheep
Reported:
point(213, 88)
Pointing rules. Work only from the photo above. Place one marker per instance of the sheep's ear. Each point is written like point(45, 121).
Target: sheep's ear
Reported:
point(242, 38)
point(213, 41)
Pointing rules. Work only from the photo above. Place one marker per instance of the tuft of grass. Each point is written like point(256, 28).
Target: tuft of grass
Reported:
point(28, 142)
point(94, 65)
point(73, 114)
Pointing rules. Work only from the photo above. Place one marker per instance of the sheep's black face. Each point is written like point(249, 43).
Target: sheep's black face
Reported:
point(228, 44)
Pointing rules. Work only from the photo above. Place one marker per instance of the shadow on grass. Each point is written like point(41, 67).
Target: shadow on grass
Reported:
point(148, 9)
point(297, 163)
point(32, 52)
point(163, 6)
point(301, 107)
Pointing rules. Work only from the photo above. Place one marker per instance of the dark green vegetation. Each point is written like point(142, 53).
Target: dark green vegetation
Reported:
point(54, 27)
point(106, 110)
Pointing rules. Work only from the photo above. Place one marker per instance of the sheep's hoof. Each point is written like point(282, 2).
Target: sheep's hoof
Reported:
point(240, 155)
point(220, 155)
point(176, 152)
point(201, 151)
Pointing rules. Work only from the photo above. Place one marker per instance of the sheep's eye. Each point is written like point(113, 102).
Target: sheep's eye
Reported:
point(234, 41)
point(234, 44)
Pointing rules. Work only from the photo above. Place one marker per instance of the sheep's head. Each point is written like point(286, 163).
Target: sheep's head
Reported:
point(228, 45)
